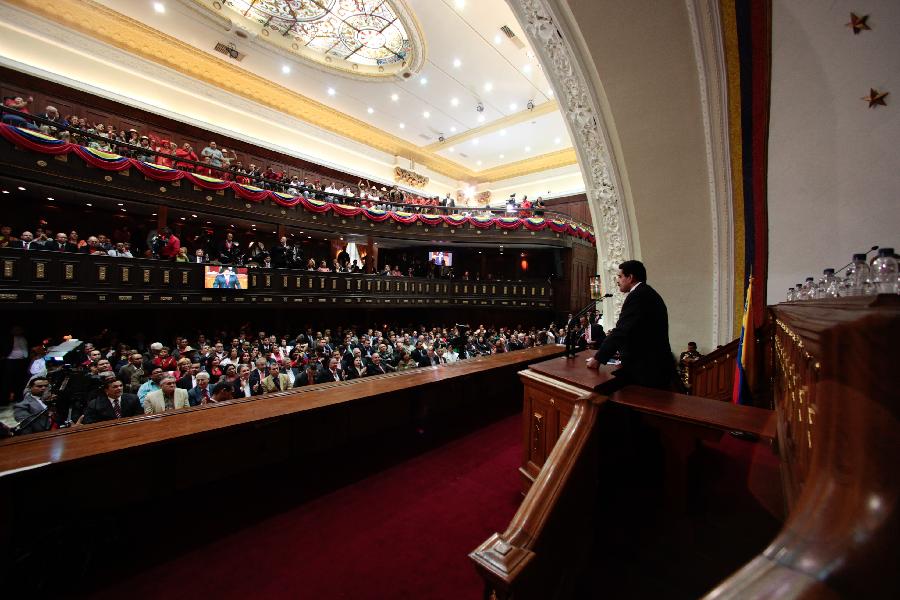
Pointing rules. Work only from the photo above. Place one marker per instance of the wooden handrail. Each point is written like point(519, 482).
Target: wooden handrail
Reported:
point(711, 375)
point(513, 563)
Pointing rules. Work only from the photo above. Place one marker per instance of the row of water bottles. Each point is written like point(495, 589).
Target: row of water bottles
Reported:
point(861, 279)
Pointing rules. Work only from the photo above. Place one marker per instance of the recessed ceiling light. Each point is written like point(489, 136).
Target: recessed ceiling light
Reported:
point(502, 132)
point(550, 93)
point(452, 149)
point(453, 128)
point(309, 237)
point(475, 142)
point(478, 163)
point(488, 86)
point(331, 92)
point(501, 156)
point(402, 125)
point(5, 191)
point(498, 39)
point(526, 68)
point(556, 140)
point(21, 189)
point(423, 80)
point(285, 69)
point(154, 214)
point(395, 97)
point(210, 222)
point(183, 219)
point(370, 110)
point(120, 204)
point(159, 7)
point(426, 114)
point(123, 210)
point(89, 204)
point(194, 216)
point(513, 106)
point(527, 148)
point(274, 232)
point(49, 198)
point(454, 101)
point(457, 63)
point(481, 118)
point(460, 4)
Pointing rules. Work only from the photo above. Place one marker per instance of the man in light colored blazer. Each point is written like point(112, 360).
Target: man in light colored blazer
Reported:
point(275, 381)
point(168, 397)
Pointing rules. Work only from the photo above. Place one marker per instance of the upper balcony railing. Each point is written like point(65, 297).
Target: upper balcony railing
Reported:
point(21, 130)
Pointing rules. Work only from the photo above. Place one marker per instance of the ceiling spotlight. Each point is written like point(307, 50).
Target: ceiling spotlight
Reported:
point(285, 69)
point(498, 39)
point(454, 101)
point(121, 204)
point(475, 142)
point(502, 132)
point(556, 140)
point(159, 7)
point(441, 139)
point(478, 108)
point(526, 68)
point(550, 93)
point(402, 125)
point(5, 191)
point(423, 81)
point(49, 198)
point(452, 149)
point(194, 216)
point(331, 92)
point(183, 219)
point(488, 86)
point(21, 189)
point(530, 105)
point(513, 106)
point(370, 110)
point(426, 114)
point(89, 204)
point(395, 97)
point(457, 63)
point(501, 156)
point(460, 4)
point(478, 163)
point(481, 118)
point(527, 148)
point(123, 210)
point(453, 129)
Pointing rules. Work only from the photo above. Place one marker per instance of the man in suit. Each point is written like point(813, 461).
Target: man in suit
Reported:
point(282, 254)
point(167, 398)
point(332, 373)
point(257, 376)
point(61, 244)
point(377, 367)
point(133, 374)
point(593, 332)
point(275, 381)
point(27, 242)
point(112, 404)
point(228, 250)
point(242, 387)
point(200, 394)
point(34, 403)
point(641, 335)
point(308, 376)
point(189, 380)
point(226, 279)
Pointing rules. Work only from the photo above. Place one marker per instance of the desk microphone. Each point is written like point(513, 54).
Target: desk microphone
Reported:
point(873, 249)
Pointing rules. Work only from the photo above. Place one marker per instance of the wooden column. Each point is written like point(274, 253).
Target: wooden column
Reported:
point(162, 215)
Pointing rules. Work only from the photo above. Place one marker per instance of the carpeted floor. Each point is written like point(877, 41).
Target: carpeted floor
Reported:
point(404, 532)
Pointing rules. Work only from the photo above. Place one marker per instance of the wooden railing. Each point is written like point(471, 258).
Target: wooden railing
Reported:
point(712, 376)
point(837, 426)
point(47, 278)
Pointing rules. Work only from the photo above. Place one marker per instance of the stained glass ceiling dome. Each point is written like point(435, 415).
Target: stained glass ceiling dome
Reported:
point(362, 37)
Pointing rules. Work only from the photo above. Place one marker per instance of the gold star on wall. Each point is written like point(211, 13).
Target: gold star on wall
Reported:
point(875, 98)
point(858, 24)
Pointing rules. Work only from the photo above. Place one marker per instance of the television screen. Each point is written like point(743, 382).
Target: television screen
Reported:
point(225, 277)
point(441, 259)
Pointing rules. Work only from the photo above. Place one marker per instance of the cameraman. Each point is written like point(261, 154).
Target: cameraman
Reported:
point(34, 412)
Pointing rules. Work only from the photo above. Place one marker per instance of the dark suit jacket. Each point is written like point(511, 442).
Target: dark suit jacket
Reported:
point(255, 379)
point(185, 383)
point(100, 409)
point(54, 246)
point(194, 395)
point(641, 337)
point(326, 376)
point(373, 370)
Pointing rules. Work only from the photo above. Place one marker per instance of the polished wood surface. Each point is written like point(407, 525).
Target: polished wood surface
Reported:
point(712, 376)
point(110, 437)
point(701, 411)
point(572, 371)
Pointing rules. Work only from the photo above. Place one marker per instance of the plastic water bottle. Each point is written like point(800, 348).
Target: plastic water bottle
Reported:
point(790, 295)
point(857, 279)
point(884, 272)
point(808, 291)
point(830, 287)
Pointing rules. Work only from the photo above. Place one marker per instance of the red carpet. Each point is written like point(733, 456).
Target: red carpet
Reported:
point(402, 533)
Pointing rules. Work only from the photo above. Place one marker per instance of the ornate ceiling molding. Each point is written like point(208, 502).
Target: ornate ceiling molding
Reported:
point(568, 71)
point(114, 29)
point(508, 121)
point(709, 54)
point(544, 162)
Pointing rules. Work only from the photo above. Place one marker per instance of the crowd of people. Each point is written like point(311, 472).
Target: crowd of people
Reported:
point(107, 379)
point(223, 163)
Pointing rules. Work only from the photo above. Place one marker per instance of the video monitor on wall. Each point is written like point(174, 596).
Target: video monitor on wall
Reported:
point(441, 258)
point(225, 277)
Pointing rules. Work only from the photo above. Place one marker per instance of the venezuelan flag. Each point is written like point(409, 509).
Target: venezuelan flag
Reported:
point(746, 355)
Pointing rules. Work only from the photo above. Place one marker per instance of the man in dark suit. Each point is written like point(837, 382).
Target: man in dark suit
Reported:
point(332, 373)
point(282, 254)
point(189, 380)
point(228, 250)
point(377, 367)
point(61, 244)
point(641, 335)
point(111, 404)
point(257, 375)
point(227, 279)
point(27, 242)
point(200, 394)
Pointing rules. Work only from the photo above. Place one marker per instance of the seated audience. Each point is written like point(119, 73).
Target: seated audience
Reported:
point(111, 404)
point(167, 398)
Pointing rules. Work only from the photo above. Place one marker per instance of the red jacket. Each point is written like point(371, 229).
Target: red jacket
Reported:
point(171, 248)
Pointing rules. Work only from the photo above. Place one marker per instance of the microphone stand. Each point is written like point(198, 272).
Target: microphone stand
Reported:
point(873, 249)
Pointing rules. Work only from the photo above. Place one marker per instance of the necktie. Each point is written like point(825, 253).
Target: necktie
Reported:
point(277, 382)
point(117, 408)
point(205, 396)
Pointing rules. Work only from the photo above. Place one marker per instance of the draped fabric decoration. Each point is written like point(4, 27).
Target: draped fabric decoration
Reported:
point(38, 142)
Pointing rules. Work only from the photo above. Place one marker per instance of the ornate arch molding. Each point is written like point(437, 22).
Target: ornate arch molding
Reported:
point(551, 36)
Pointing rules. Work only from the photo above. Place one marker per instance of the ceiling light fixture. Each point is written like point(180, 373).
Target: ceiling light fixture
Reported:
point(21, 189)
point(550, 93)
point(454, 101)
point(89, 204)
point(285, 69)
point(457, 63)
point(370, 110)
point(452, 149)
point(526, 69)
point(501, 156)
point(426, 114)
point(194, 216)
point(481, 118)
point(478, 163)
point(121, 204)
point(460, 4)
point(453, 128)
point(498, 39)
point(331, 92)
point(5, 191)
point(402, 125)
point(49, 198)
point(488, 86)
point(423, 81)
point(527, 148)
point(502, 132)
point(395, 97)
point(556, 140)
point(159, 7)
point(513, 106)
point(475, 142)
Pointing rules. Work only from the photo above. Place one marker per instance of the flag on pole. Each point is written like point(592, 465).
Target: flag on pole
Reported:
point(746, 355)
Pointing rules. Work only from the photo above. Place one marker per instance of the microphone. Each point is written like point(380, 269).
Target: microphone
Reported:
point(873, 249)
